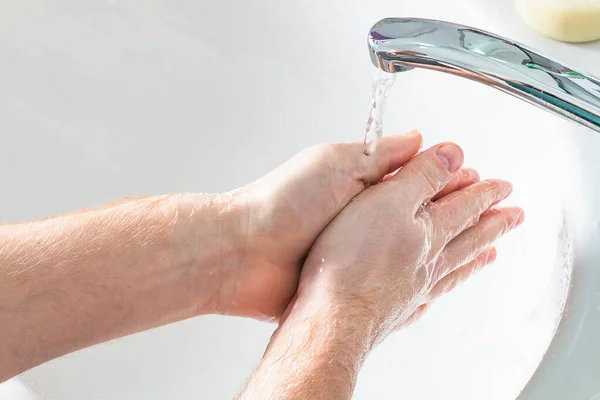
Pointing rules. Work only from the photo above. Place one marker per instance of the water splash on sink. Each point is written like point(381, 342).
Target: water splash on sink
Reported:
point(382, 83)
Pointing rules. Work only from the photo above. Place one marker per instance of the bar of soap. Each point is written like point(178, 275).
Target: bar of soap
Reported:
point(565, 20)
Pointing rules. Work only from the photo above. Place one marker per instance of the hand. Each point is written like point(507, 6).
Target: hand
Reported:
point(393, 250)
point(285, 211)
point(399, 245)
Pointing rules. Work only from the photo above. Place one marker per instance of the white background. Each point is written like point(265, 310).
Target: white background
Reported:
point(100, 100)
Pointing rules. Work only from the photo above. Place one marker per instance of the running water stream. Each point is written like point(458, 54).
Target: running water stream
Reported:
point(382, 83)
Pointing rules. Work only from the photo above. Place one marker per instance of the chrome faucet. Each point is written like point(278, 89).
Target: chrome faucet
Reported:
point(401, 44)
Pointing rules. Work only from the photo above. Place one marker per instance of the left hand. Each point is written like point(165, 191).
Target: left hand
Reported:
point(396, 249)
point(283, 213)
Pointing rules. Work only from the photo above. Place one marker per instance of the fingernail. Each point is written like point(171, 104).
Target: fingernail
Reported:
point(451, 155)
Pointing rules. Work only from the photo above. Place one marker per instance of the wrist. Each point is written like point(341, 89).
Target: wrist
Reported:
point(315, 353)
point(340, 335)
point(339, 327)
point(209, 239)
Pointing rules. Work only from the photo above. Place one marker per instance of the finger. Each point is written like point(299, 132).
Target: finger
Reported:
point(392, 153)
point(460, 275)
point(414, 317)
point(466, 246)
point(462, 209)
point(429, 172)
point(463, 178)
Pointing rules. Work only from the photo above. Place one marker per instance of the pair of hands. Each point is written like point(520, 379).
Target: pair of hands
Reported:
point(353, 246)
point(332, 227)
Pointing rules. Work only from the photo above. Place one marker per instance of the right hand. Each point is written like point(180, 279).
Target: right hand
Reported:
point(278, 218)
point(399, 245)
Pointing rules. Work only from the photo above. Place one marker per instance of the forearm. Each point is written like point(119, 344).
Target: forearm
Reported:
point(79, 279)
point(312, 355)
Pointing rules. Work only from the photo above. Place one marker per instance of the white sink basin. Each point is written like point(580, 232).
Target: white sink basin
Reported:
point(487, 339)
point(104, 100)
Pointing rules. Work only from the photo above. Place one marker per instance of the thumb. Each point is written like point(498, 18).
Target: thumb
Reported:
point(392, 153)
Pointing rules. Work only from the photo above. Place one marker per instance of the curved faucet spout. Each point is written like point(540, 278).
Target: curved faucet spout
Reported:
point(400, 44)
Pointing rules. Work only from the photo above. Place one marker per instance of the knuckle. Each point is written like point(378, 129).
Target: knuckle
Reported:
point(453, 182)
point(458, 179)
point(431, 177)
